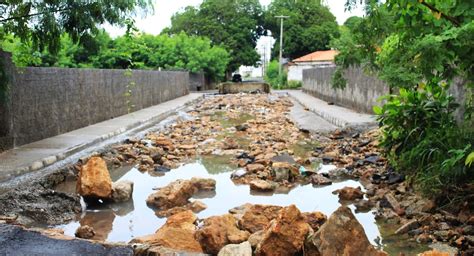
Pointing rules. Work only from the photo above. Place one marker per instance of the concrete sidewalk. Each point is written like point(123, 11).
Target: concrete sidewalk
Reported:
point(336, 115)
point(36, 155)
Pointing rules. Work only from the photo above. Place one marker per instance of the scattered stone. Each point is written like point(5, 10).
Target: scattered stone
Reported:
point(122, 191)
point(238, 173)
point(85, 232)
point(339, 173)
point(349, 193)
point(230, 143)
point(372, 159)
point(468, 230)
point(281, 171)
point(363, 205)
point(285, 235)
point(410, 225)
point(161, 169)
point(178, 192)
point(174, 194)
point(394, 178)
point(392, 201)
point(204, 184)
point(342, 234)
point(219, 231)
point(253, 168)
point(420, 206)
point(242, 127)
point(423, 238)
point(285, 157)
point(320, 180)
point(146, 160)
point(242, 249)
point(94, 180)
point(261, 185)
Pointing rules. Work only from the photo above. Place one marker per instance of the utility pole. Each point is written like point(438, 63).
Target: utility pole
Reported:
point(281, 41)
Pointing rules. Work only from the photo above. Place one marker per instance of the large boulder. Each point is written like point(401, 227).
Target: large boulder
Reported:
point(178, 233)
point(219, 231)
point(174, 194)
point(256, 217)
point(122, 191)
point(178, 192)
point(94, 180)
point(286, 234)
point(342, 234)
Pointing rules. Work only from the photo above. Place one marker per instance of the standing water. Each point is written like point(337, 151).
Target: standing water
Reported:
point(125, 221)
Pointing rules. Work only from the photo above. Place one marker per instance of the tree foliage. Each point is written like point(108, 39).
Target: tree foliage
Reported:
point(142, 51)
point(42, 23)
point(411, 41)
point(419, 46)
point(309, 28)
point(272, 76)
point(180, 51)
point(234, 24)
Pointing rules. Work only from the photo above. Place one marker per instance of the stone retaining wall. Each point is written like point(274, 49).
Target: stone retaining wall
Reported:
point(44, 102)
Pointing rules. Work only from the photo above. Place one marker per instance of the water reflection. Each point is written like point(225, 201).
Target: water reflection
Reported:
point(125, 221)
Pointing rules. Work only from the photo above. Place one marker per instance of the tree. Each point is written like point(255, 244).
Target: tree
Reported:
point(429, 39)
point(234, 24)
point(360, 42)
point(309, 28)
point(180, 51)
point(43, 22)
point(427, 46)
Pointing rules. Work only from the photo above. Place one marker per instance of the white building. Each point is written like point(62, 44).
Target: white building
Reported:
point(312, 60)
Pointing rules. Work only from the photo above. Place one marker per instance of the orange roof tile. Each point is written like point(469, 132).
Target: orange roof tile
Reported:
point(318, 56)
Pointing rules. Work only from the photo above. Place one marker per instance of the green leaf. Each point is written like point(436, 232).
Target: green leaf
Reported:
point(377, 110)
point(470, 159)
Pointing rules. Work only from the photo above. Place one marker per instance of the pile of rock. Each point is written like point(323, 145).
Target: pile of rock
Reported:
point(261, 230)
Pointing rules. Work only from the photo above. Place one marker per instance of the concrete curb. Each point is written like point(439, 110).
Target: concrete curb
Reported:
point(336, 115)
point(52, 159)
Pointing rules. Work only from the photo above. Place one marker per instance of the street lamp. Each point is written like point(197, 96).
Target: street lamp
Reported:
point(281, 41)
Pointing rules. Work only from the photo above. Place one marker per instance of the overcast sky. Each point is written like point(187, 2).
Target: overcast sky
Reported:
point(164, 9)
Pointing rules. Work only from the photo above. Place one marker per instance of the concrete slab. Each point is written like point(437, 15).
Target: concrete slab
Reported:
point(308, 120)
point(336, 115)
point(19, 241)
point(43, 153)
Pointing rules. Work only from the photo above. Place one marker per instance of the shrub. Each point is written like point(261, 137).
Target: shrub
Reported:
point(422, 139)
point(292, 84)
point(273, 78)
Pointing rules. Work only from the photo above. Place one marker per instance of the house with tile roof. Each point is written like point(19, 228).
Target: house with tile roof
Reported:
point(316, 59)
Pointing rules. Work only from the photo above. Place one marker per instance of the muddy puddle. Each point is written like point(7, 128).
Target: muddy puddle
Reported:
point(122, 222)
